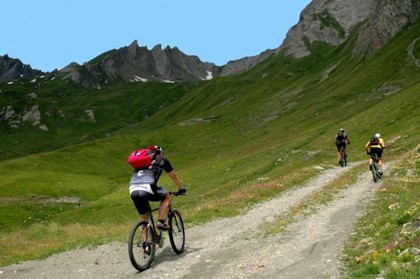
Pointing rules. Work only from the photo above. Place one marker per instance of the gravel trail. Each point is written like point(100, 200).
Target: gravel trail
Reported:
point(232, 247)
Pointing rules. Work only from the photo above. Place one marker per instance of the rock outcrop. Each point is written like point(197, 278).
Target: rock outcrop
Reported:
point(332, 21)
point(13, 69)
point(386, 19)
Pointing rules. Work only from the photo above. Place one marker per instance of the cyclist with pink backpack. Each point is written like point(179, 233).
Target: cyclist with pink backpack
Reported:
point(148, 164)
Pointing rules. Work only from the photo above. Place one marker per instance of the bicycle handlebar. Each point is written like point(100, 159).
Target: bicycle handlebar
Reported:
point(177, 193)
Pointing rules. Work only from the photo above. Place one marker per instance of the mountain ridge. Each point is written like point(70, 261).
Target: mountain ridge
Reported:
point(328, 21)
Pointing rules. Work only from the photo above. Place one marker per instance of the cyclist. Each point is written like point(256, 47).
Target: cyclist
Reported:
point(144, 188)
point(375, 145)
point(340, 141)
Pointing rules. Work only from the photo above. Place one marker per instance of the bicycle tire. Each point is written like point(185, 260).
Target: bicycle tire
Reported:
point(375, 177)
point(142, 245)
point(176, 232)
point(342, 158)
point(375, 172)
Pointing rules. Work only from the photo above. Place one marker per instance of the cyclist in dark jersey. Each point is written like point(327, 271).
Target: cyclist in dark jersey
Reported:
point(340, 141)
point(144, 187)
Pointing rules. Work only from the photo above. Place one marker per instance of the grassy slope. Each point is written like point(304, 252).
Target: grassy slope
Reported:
point(63, 106)
point(273, 119)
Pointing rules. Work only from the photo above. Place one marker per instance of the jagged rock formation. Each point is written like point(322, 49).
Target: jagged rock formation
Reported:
point(14, 69)
point(138, 64)
point(134, 63)
point(332, 21)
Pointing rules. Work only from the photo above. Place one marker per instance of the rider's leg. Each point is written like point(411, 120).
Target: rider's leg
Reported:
point(141, 203)
point(164, 206)
point(144, 216)
point(380, 161)
point(370, 162)
point(380, 164)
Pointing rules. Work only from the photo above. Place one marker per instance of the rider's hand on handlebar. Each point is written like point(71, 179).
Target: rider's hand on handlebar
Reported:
point(182, 191)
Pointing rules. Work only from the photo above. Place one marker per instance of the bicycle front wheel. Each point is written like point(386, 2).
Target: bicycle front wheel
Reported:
point(176, 232)
point(141, 245)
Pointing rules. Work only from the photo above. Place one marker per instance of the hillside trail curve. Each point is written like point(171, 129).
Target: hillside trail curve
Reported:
point(233, 247)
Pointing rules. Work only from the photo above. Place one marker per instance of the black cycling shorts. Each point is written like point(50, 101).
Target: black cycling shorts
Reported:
point(340, 144)
point(141, 199)
point(377, 151)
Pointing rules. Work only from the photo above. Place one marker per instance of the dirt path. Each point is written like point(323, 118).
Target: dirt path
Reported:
point(229, 248)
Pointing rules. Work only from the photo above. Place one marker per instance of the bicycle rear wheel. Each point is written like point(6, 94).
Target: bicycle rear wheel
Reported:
point(374, 172)
point(176, 232)
point(142, 245)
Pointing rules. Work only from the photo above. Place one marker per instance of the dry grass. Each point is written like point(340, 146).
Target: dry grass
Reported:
point(42, 240)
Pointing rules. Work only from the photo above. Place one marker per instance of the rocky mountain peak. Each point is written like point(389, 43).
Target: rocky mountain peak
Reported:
point(134, 63)
point(13, 69)
point(331, 21)
point(132, 48)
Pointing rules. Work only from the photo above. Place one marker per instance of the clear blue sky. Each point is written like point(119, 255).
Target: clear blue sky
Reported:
point(50, 34)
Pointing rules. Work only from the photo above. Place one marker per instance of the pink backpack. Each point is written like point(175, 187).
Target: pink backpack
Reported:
point(142, 158)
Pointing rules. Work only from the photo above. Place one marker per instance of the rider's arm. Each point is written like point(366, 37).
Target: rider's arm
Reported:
point(175, 178)
point(172, 174)
point(367, 146)
point(382, 143)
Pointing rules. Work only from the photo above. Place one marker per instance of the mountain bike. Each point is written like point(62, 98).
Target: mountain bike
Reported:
point(144, 239)
point(374, 168)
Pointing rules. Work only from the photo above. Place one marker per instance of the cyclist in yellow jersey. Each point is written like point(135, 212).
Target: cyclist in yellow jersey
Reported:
point(376, 145)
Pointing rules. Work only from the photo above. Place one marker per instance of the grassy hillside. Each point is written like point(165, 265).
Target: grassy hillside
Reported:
point(64, 105)
point(234, 141)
